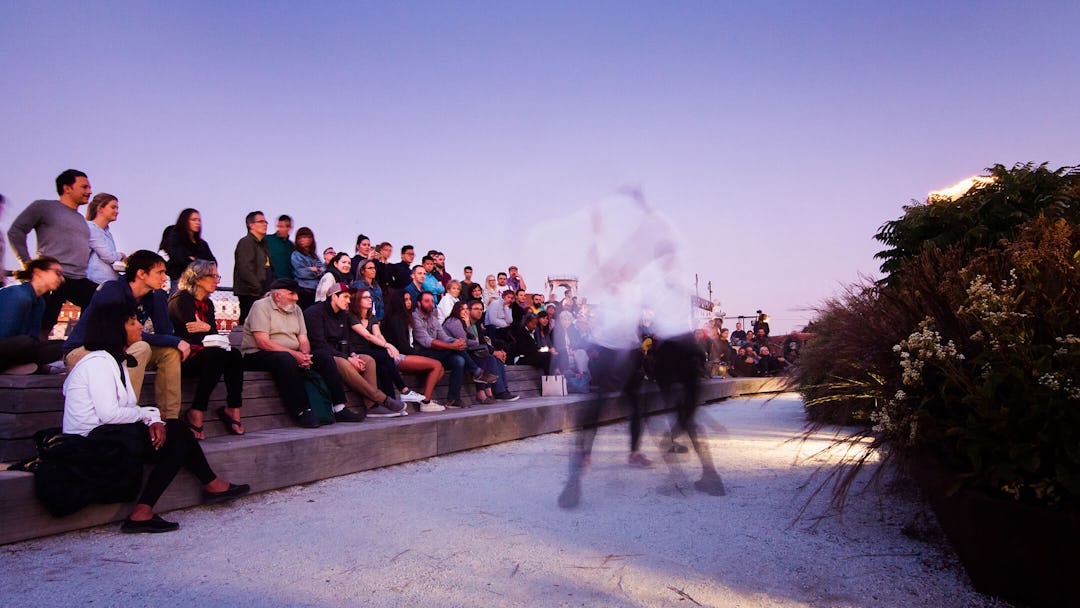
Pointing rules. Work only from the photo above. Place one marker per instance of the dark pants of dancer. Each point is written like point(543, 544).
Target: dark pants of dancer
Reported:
point(209, 365)
point(76, 291)
point(289, 382)
point(677, 362)
point(17, 350)
point(620, 370)
point(180, 450)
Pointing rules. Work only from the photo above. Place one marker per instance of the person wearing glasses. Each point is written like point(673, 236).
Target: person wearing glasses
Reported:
point(251, 272)
point(192, 314)
point(21, 307)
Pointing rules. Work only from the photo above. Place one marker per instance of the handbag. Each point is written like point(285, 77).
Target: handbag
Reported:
point(553, 386)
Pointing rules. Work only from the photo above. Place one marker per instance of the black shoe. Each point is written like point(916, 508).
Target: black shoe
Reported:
point(507, 396)
point(234, 491)
point(153, 525)
point(306, 419)
point(454, 404)
point(678, 448)
point(347, 415)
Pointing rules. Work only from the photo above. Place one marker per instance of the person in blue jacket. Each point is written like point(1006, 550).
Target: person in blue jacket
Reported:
point(22, 307)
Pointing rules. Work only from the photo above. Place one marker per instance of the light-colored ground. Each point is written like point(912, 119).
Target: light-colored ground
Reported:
point(482, 529)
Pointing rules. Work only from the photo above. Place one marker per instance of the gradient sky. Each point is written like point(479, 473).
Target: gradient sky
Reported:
point(776, 138)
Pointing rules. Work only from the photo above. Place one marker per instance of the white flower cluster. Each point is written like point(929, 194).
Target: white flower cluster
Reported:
point(922, 346)
point(992, 306)
point(893, 418)
point(1054, 381)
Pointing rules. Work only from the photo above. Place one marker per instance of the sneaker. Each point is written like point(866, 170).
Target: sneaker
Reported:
point(153, 525)
point(394, 405)
point(347, 415)
point(639, 461)
point(507, 396)
point(454, 403)
point(23, 369)
point(306, 419)
point(485, 377)
point(431, 406)
point(381, 411)
point(411, 397)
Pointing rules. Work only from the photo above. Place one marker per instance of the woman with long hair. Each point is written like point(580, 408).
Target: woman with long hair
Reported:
point(543, 331)
point(193, 319)
point(184, 244)
point(102, 211)
point(339, 270)
point(99, 403)
point(492, 293)
point(365, 279)
point(460, 326)
point(21, 307)
point(307, 266)
point(394, 332)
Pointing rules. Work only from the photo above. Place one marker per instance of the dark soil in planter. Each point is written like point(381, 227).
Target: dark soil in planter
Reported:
point(1019, 552)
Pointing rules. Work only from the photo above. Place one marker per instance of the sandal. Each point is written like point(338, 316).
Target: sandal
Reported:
point(230, 422)
point(196, 429)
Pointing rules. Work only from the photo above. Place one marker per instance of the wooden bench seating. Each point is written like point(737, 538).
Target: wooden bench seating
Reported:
point(275, 454)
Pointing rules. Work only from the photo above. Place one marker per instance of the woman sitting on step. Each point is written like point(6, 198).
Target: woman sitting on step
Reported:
point(99, 403)
point(192, 314)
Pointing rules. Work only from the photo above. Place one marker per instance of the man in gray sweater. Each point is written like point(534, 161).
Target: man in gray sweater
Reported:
point(61, 233)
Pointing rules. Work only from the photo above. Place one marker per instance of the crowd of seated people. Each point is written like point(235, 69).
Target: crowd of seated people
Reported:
point(742, 353)
point(302, 291)
point(355, 321)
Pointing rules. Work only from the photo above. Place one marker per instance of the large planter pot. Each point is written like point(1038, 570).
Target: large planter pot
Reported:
point(1019, 552)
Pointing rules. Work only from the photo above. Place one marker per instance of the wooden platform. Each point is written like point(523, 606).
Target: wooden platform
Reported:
point(282, 455)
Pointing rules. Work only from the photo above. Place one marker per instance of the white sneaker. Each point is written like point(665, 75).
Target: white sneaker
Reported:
point(411, 397)
point(431, 406)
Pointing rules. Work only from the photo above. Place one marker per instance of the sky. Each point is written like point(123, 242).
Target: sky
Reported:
point(775, 137)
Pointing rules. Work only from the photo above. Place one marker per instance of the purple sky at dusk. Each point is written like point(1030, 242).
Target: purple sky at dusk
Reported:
point(776, 138)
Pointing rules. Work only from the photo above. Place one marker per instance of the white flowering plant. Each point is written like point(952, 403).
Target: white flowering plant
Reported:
point(974, 344)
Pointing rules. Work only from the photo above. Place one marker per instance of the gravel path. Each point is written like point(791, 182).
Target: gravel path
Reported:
point(482, 529)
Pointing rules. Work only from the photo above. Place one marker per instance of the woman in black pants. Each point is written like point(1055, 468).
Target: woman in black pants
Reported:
point(192, 314)
point(99, 403)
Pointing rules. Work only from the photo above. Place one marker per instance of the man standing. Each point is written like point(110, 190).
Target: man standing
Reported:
point(440, 268)
point(281, 248)
point(276, 341)
point(515, 280)
point(251, 271)
point(141, 289)
point(329, 327)
point(432, 341)
point(400, 274)
point(62, 233)
point(467, 284)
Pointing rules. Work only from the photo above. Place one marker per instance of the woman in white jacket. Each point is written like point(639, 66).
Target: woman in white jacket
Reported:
point(99, 403)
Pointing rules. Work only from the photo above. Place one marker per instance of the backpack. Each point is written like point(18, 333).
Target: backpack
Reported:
point(318, 396)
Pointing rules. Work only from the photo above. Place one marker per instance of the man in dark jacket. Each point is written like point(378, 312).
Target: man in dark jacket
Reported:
point(328, 325)
point(251, 271)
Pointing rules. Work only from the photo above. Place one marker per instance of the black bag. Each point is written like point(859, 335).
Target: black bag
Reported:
point(318, 395)
point(72, 471)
